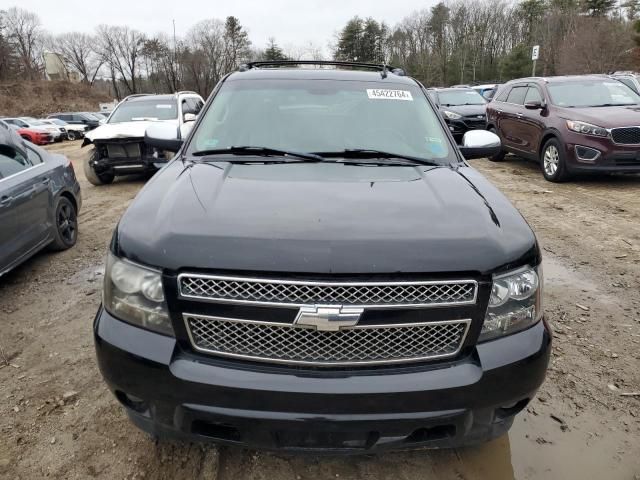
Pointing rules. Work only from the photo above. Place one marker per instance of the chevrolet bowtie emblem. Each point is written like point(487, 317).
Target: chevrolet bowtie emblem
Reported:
point(329, 318)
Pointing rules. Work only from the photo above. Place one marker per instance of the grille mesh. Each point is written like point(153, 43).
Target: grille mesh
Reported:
point(304, 293)
point(123, 150)
point(289, 344)
point(626, 135)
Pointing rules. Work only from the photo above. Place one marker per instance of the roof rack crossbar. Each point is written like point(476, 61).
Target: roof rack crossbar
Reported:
point(382, 67)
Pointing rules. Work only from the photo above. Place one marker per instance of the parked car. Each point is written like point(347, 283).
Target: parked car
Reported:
point(487, 90)
point(36, 125)
point(39, 200)
point(72, 132)
point(118, 146)
point(102, 116)
point(77, 118)
point(630, 79)
point(463, 109)
point(320, 269)
point(572, 124)
point(37, 137)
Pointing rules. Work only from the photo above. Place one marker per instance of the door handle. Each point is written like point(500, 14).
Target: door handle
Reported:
point(519, 115)
point(45, 181)
point(5, 200)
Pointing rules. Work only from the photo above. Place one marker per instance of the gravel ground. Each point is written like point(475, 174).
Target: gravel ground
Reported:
point(58, 420)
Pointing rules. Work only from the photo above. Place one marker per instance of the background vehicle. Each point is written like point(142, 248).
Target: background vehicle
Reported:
point(630, 79)
point(319, 260)
point(77, 118)
point(36, 125)
point(101, 115)
point(487, 90)
point(118, 145)
point(37, 137)
point(72, 132)
point(463, 109)
point(39, 201)
point(569, 124)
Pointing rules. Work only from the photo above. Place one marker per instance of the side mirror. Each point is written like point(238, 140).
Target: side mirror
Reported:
point(190, 117)
point(163, 136)
point(480, 144)
point(534, 105)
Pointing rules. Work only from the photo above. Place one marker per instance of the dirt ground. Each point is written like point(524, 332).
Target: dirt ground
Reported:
point(58, 420)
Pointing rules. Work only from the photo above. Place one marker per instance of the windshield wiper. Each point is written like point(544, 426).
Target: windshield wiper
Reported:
point(366, 153)
point(612, 105)
point(258, 151)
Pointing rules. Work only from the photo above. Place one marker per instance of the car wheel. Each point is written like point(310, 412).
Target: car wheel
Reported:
point(552, 160)
point(71, 135)
point(498, 157)
point(66, 225)
point(95, 178)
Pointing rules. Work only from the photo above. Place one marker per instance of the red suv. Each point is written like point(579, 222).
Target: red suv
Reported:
point(569, 124)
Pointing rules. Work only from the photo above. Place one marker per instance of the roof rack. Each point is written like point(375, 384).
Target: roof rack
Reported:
point(382, 67)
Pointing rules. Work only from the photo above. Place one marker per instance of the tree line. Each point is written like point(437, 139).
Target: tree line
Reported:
point(453, 42)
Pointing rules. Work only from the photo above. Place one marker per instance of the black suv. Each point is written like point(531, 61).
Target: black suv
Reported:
point(77, 118)
point(318, 268)
point(463, 109)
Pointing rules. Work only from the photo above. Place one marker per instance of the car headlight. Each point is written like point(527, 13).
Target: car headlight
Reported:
point(451, 115)
point(586, 128)
point(135, 295)
point(515, 303)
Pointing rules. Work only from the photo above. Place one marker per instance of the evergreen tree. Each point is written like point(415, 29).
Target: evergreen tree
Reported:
point(517, 63)
point(273, 51)
point(598, 8)
point(362, 41)
point(237, 42)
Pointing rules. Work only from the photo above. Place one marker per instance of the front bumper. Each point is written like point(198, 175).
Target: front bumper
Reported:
point(612, 158)
point(168, 391)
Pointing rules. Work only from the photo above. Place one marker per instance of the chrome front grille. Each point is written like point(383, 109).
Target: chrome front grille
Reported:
point(299, 293)
point(359, 345)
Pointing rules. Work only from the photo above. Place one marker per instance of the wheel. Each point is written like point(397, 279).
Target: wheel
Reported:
point(498, 157)
point(27, 138)
point(71, 135)
point(65, 224)
point(94, 178)
point(552, 159)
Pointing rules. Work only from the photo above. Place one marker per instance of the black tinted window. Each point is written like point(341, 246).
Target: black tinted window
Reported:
point(503, 95)
point(517, 95)
point(11, 162)
point(533, 95)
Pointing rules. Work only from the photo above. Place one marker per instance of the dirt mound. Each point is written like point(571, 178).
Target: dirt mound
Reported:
point(38, 99)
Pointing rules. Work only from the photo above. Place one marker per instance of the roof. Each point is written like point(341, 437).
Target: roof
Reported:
point(306, 73)
point(560, 78)
point(450, 89)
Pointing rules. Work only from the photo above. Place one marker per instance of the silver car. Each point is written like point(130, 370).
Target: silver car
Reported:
point(39, 200)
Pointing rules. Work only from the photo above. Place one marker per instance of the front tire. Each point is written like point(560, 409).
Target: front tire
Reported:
point(71, 135)
point(65, 225)
point(102, 178)
point(498, 157)
point(553, 161)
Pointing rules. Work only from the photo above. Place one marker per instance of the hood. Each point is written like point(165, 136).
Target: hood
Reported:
point(466, 110)
point(121, 130)
point(323, 218)
point(607, 117)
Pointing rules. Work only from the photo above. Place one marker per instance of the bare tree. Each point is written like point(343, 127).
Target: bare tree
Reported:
point(26, 36)
point(79, 53)
point(121, 49)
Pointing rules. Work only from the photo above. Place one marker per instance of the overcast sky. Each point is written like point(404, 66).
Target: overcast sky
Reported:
point(290, 22)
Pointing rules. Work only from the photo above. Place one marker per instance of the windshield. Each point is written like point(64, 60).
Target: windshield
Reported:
point(592, 93)
point(57, 121)
point(323, 116)
point(152, 109)
point(460, 97)
point(39, 123)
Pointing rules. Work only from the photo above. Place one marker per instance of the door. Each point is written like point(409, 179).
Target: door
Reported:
point(532, 123)
point(25, 204)
point(509, 118)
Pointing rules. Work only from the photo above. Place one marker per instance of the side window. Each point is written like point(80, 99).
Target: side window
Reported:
point(22, 124)
point(187, 106)
point(503, 95)
point(199, 105)
point(517, 95)
point(66, 118)
point(628, 82)
point(11, 121)
point(77, 118)
point(11, 162)
point(34, 157)
point(533, 95)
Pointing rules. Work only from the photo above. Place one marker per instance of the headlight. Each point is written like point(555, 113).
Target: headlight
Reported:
point(451, 115)
point(134, 294)
point(586, 128)
point(515, 303)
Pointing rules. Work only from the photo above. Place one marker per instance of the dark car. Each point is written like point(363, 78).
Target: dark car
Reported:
point(319, 269)
point(463, 109)
point(78, 118)
point(572, 124)
point(39, 200)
